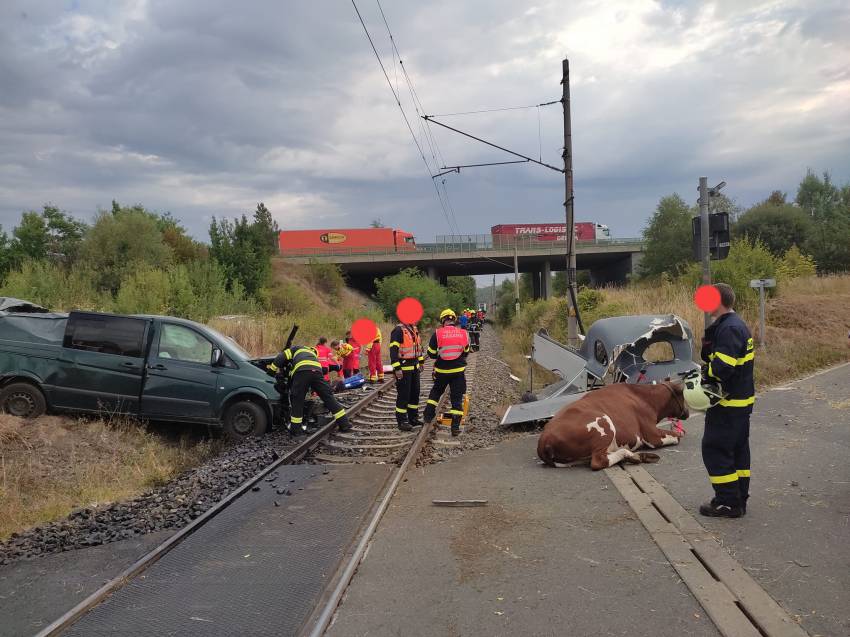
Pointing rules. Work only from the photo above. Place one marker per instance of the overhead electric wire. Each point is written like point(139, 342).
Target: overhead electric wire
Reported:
point(420, 110)
point(496, 110)
point(403, 114)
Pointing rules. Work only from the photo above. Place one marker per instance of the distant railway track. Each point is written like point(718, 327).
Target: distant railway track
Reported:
point(374, 438)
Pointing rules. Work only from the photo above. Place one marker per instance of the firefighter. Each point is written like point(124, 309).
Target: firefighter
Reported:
point(728, 349)
point(449, 345)
point(376, 366)
point(407, 359)
point(301, 366)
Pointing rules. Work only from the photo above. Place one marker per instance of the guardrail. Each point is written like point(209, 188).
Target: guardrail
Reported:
point(464, 244)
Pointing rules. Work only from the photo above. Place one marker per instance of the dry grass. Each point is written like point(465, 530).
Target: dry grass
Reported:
point(807, 323)
point(323, 314)
point(53, 465)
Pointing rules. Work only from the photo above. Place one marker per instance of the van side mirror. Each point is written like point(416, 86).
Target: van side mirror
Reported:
point(217, 357)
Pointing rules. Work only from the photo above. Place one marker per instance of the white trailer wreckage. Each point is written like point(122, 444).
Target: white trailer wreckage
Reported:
point(611, 352)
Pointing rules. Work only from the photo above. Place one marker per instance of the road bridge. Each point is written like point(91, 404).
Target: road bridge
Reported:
point(609, 261)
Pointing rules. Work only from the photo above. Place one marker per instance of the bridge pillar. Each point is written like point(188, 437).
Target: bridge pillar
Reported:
point(546, 280)
point(535, 285)
point(432, 272)
point(444, 279)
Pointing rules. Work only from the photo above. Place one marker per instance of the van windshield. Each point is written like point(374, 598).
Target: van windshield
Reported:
point(232, 348)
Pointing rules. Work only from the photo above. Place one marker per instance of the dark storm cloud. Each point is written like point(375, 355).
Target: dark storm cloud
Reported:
point(203, 108)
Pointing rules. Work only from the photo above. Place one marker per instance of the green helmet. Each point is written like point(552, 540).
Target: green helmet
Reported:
point(700, 394)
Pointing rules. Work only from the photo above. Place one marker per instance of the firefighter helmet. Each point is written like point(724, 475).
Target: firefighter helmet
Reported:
point(447, 313)
point(700, 394)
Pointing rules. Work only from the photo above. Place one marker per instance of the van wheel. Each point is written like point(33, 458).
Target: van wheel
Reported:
point(244, 419)
point(23, 400)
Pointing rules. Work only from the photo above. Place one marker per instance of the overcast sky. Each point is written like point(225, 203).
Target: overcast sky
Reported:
point(205, 107)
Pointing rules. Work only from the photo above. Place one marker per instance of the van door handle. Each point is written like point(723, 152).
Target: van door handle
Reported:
point(157, 366)
point(131, 365)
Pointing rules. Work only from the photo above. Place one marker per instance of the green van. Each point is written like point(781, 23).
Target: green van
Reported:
point(151, 367)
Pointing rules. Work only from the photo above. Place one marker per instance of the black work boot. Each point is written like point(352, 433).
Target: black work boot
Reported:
point(413, 419)
point(344, 424)
point(403, 425)
point(455, 426)
point(715, 510)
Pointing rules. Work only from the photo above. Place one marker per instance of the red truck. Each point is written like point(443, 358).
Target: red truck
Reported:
point(345, 240)
point(584, 231)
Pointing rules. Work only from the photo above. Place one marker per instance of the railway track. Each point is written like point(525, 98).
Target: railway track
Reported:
point(373, 439)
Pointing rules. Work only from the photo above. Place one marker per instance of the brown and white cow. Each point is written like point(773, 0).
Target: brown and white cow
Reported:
point(611, 423)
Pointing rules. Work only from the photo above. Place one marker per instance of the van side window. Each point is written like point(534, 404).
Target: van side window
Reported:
point(117, 335)
point(180, 343)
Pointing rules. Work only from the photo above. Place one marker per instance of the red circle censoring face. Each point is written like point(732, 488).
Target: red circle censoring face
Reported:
point(364, 331)
point(707, 298)
point(409, 310)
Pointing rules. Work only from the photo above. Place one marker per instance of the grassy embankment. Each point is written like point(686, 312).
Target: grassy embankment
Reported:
point(807, 323)
point(53, 465)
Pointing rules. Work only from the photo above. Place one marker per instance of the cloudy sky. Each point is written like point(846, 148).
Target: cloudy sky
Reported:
point(205, 107)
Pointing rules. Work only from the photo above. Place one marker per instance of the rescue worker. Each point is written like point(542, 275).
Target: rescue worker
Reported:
point(449, 345)
point(351, 362)
point(464, 319)
point(301, 366)
point(376, 366)
point(728, 349)
point(324, 354)
point(339, 352)
point(406, 358)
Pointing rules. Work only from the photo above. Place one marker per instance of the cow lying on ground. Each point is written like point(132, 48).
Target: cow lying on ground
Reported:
point(611, 423)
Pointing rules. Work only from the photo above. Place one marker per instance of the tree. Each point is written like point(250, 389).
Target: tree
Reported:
point(31, 238)
point(266, 230)
point(464, 287)
point(121, 242)
point(242, 250)
point(376, 223)
point(668, 238)
point(183, 247)
point(411, 282)
point(5, 254)
point(829, 244)
point(814, 193)
point(777, 225)
point(505, 302)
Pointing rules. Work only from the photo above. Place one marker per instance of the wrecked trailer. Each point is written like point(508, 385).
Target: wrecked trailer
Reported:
point(613, 351)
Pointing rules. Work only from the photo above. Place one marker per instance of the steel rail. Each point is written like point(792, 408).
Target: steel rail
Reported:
point(319, 621)
point(146, 561)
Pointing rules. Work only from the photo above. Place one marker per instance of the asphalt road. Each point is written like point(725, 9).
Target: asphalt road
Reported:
point(559, 552)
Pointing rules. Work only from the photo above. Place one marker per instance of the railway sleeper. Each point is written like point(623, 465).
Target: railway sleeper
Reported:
point(357, 447)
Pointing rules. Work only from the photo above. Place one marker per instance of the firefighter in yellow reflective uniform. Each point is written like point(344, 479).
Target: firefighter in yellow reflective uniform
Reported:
point(728, 349)
point(301, 366)
point(406, 358)
point(449, 345)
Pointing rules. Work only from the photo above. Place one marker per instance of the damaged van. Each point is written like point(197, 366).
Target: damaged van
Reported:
point(151, 367)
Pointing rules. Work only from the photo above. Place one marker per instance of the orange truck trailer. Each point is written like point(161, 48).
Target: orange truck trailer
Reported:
point(344, 240)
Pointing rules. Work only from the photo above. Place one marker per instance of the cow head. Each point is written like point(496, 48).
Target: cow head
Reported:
point(675, 406)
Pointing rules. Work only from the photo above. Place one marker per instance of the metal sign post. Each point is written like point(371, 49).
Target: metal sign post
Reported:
point(761, 284)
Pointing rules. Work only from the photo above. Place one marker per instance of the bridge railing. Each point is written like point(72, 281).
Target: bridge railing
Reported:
point(460, 244)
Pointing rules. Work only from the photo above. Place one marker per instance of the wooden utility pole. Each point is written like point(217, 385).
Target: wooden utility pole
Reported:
point(572, 289)
point(516, 279)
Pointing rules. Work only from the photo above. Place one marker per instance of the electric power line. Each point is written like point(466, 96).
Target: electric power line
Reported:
point(403, 114)
point(427, 133)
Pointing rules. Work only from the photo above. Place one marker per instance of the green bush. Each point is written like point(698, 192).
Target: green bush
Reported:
point(410, 282)
point(589, 299)
point(794, 264)
point(145, 291)
point(746, 261)
point(50, 285)
point(326, 277)
point(286, 297)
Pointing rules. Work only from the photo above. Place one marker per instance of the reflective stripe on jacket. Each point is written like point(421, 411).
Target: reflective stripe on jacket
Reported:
point(443, 365)
point(451, 342)
point(405, 347)
point(296, 358)
point(729, 350)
